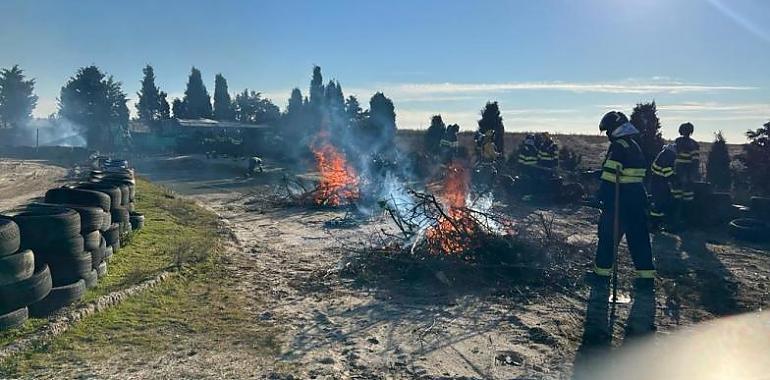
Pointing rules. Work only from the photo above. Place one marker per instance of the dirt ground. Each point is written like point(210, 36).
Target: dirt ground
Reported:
point(337, 327)
point(385, 327)
point(21, 180)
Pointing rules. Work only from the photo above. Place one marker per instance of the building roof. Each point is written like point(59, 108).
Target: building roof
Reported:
point(208, 123)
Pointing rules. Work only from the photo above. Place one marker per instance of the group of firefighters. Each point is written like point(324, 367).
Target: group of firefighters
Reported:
point(537, 159)
point(623, 197)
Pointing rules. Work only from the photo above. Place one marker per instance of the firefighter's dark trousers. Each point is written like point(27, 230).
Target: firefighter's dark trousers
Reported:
point(662, 201)
point(633, 224)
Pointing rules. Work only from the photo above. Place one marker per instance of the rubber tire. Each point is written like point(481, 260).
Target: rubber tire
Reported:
point(92, 240)
point(66, 270)
point(721, 205)
point(108, 252)
point(78, 196)
point(47, 224)
point(13, 319)
point(101, 270)
point(97, 255)
point(106, 221)
point(137, 221)
point(91, 218)
point(122, 216)
point(112, 235)
point(761, 207)
point(748, 229)
point(17, 267)
point(25, 292)
point(65, 247)
point(91, 279)
point(10, 237)
point(58, 298)
point(125, 191)
point(702, 190)
point(111, 190)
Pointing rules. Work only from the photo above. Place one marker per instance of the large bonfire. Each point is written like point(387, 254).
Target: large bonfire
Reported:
point(338, 184)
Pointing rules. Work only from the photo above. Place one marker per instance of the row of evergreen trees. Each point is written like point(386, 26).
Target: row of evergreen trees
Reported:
point(327, 110)
point(96, 102)
point(247, 106)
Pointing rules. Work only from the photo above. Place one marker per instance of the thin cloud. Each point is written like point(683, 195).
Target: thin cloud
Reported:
point(431, 89)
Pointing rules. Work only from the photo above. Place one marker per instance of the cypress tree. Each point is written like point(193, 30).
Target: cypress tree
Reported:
point(645, 118)
point(17, 99)
point(316, 88)
point(757, 159)
point(196, 100)
point(718, 165)
point(223, 105)
point(491, 120)
point(149, 105)
point(434, 134)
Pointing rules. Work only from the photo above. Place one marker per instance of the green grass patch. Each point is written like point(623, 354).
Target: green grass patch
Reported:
point(176, 232)
point(199, 307)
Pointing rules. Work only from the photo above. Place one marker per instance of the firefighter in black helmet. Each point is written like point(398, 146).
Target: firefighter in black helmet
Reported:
point(687, 167)
point(624, 168)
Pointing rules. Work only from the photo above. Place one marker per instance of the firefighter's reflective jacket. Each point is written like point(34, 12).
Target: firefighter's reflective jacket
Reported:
point(661, 182)
point(663, 166)
point(625, 164)
point(548, 155)
point(449, 144)
point(687, 151)
point(527, 155)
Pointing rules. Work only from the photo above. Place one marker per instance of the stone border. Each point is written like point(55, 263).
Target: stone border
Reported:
point(61, 322)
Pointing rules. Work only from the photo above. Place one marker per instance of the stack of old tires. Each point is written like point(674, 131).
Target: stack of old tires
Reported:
point(709, 208)
point(54, 234)
point(754, 223)
point(94, 209)
point(23, 280)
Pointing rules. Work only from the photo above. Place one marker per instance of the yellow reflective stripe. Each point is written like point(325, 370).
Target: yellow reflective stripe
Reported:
point(623, 143)
point(612, 164)
point(657, 214)
point(633, 172)
point(683, 161)
point(610, 177)
point(607, 176)
point(650, 273)
point(605, 272)
point(631, 179)
point(663, 173)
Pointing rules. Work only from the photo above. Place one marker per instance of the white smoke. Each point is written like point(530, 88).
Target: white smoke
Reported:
point(49, 132)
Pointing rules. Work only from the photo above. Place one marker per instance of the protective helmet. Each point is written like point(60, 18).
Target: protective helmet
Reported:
point(529, 139)
point(686, 129)
point(612, 120)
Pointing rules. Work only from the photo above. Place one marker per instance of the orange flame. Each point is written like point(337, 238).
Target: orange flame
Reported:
point(339, 182)
point(455, 227)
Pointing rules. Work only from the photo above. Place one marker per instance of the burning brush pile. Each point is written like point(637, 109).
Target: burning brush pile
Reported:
point(338, 183)
point(447, 232)
point(449, 222)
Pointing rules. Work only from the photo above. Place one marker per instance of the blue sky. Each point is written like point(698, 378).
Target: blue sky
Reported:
point(552, 65)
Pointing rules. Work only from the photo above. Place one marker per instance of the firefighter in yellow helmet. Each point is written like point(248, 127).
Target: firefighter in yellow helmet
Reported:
point(488, 148)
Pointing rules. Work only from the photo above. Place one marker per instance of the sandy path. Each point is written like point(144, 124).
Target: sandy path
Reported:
point(22, 180)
